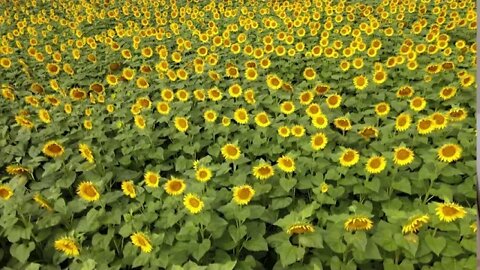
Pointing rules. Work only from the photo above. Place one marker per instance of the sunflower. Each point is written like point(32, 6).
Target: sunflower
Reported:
point(53, 149)
point(174, 186)
point(181, 124)
point(210, 116)
point(142, 83)
point(42, 202)
point(414, 223)
point(167, 95)
point(140, 121)
point(306, 97)
point(274, 82)
point(163, 108)
point(87, 191)
point(405, 91)
point(342, 123)
point(309, 74)
point(360, 82)
point(286, 164)
point(242, 195)
point(449, 211)
point(440, 121)
point(199, 94)
point(225, 121)
point(87, 123)
point(241, 116)
point(262, 120)
point(334, 101)
point(86, 152)
point(263, 171)
point(300, 229)
point(235, 90)
point(283, 131)
point(144, 102)
point(473, 226)
point(5, 192)
point(318, 141)
point(287, 107)
point(449, 152)
point(24, 121)
point(112, 80)
point(447, 92)
point(323, 187)
point(128, 188)
point(368, 132)
point(128, 74)
point(313, 110)
point(67, 245)
point(375, 164)
point(320, 121)
point(77, 94)
point(379, 77)
point(321, 89)
point(403, 156)
point(44, 116)
point(382, 109)
point(193, 203)
point(418, 103)
point(203, 174)
point(151, 179)
point(231, 152)
point(403, 122)
point(349, 157)
point(457, 114)
point(17, 169)
point(140, 240)
point(251, 74)
point(358, 223)
point(298, 131)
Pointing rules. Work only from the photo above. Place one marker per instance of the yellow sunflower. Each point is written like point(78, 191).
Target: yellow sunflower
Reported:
point(210, 116)
point(440, 121)
point(140, 240)
point(414, 223)
point(263, 171)
point(300, 228)
point(425, 126)
point(334, 101)
point(447, 92)
point(231, 152)
point(449, 152)
point(193, 203)
point(403, 122)
point(283, 131)
point(163, 107)
point(181, 124)
point(274, 82)
point(42, 202)
point(320, 121)
point(44, 116)
point(241, 116)
point(375, 164)
point(313, 109)
point(203, 174)
point(5, 192)
point(298, 131)
point(318, 141)
point(403, 156)
point(418, 103)
point(349, 157)
point(368, 132)
point(235, 90)
point(287, 107)
point(358, 223)
point(309, 74)
point(175, 186)
point(286, 164)
point(67, 245)
point(342, 123)
point(128, 188)
point(86, 152)
point(262, 120)
point(53, 149)
point(16, 169)
point(382, 109)
point(457, 114)
point(151, 179)
point(360, 82)
point(449, 211)
point(242, 195)
point(87, 191)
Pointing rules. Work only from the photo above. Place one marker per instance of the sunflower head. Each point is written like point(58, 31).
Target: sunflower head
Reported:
point(87, 191)
point(68, 246)
point(242, 195)
point(140, 240)
point(53, 149)
point(286, 163)
point(230, 151)
point(449, 211)
point(175, 186)
point(193, 203)
point(300, 228)
point(358, 223)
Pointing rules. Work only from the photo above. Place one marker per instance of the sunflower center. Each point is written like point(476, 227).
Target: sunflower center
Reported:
point(182, 123)
point(361, 81)
point(439, 119)
point(194, 202)
point(333, 100)
point(90, 191)
point(232, 151)
point(264, 170)
point(343, 123)
point(449, 211)
point(318, 140)
point(141, 241)
point(449, 151)
point(320, 120)
point(54, 148)
point(425, 124)
point(152, 179)
point(403, 154)
point(202, 174)
point(244, 193)
point(310, 73)
point(163, 107)
point(287, 106)
point(359, 224)
point(175, 185)
point(379, 76)
point(275, 81)
point(262, 118)
point(348, 156)
point(314, 109)
point(417, 102)
point(4, 193)
point(287, 163)
point(375, 163)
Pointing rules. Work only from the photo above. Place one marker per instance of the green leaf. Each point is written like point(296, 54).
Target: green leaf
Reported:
point(373, 184)
point(256, 243)
point(372, 252)
point(403, 185)
point(201, 249)
point(22, 251)
point(141, 260)
point(288, 184)
point(289, 254)
point(435, 244)
point(88, 265)
point(237, 233)
point(314, 239)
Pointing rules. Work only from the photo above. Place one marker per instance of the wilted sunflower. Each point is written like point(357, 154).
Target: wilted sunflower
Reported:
point(449, 211)
point(67, 245)
point(140, 240)
point(42, 202)
point(286, 164)
point(86, 152)
point(449, 152)
point(174, 186)
point(403, 156)
point(193, 203)
point(414, 223)
point(242, 195)
point(181, 124)
point(358, 223)
point(5, 192)
point(300, 228)
point(375, 164)
point(151, 179)
point(318, 141)
point(53, 149)
point(87, 191)
point(349, 157)
point(17, 169)
point(231, 152)
point(203, 174)
point(263, 171)
point(128, 188)
point(368, 132)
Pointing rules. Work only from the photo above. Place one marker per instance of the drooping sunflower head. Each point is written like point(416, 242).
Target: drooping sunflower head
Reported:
point(128, 188)
point(17, 169)
point(358, 223)
point(368, 132)
point(140, 240)
point(86, 152)
point(242, 195)
point(414, 223)
point(68, 246)
point(175, 186)
point(300, 228)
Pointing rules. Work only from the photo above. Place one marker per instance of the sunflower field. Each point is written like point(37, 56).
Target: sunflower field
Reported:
point(188, 134)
